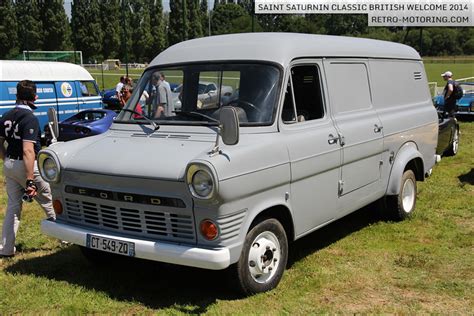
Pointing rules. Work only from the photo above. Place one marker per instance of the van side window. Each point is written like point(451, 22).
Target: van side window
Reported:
point(88, 89)
point(306, 88)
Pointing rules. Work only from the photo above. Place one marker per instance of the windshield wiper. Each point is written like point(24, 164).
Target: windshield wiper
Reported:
point(196, 114)
point(155, 126)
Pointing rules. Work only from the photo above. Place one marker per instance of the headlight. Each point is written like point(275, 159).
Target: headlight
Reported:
point(48, 167)
point(200, 181)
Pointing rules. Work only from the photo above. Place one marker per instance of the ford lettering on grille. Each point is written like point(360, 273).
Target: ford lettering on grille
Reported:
point(125, 197)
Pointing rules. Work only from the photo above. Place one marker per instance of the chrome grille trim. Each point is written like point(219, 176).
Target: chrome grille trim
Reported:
point(161, 223)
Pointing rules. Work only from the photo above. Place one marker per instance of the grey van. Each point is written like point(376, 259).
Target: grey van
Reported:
point(316, 128)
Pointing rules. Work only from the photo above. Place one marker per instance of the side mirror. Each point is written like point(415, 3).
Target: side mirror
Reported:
point(229, 125)
point(53, 123)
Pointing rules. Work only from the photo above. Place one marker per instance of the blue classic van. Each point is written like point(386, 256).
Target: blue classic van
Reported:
point(68, 88)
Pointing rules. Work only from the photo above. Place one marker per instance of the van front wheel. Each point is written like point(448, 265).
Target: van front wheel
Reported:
point(402, 206)
point(263, 258)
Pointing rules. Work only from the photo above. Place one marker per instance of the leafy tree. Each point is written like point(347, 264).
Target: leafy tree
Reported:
point(194, 19)
point(223, 17)
point(87, 29)
point(8, 30)
point(141, 30)
point(346, 24)
point(157, 26)
point(177, 31)
point(30, 28)
point(110, 21)
point(56, 29)
point(204, 17)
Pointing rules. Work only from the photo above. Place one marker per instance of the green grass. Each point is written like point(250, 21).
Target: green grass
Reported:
point(460, 70)
point(359, 264)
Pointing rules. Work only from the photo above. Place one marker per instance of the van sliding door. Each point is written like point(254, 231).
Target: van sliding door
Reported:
point(359, 128)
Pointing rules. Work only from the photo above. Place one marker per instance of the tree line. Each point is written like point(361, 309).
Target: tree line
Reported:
point(138, 30)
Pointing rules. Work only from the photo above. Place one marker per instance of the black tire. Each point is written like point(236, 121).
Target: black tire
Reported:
point(401, 206)
point(257, 242)
point(454, 144)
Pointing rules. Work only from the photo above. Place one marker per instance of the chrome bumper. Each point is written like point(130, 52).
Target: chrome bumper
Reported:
point(214, 259)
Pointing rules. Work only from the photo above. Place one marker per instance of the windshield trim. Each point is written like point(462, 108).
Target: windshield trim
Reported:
point(279, 83)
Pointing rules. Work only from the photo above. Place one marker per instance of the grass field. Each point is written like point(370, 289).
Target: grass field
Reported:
point(359, 264)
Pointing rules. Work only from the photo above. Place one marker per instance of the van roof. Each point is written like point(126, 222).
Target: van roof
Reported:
point(280, 48)
point(16, 70)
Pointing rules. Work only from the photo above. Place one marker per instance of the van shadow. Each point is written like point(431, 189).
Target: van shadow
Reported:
point(467, 178)
point(159, 285)
point(153, 284)
point(335, 231)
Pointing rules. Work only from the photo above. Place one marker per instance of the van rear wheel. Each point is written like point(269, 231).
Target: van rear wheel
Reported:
point(401, 206)
point(263, 258)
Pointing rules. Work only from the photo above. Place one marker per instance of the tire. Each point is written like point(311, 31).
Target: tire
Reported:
point(454, 145)
point(401, 206)
point(263, 258)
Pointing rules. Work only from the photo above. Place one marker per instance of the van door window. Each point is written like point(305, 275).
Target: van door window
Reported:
point(88, 89)
point(303, 98)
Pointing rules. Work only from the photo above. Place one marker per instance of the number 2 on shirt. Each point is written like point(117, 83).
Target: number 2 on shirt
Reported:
point(8, 127)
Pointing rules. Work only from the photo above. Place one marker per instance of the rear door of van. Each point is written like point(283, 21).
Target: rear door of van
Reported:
point(359, 128)
point(67, 94)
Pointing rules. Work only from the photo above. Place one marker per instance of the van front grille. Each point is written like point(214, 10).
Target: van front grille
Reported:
point(140, 221)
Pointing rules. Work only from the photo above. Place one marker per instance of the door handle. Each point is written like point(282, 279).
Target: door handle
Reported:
point(377, 129)
point(332, 139)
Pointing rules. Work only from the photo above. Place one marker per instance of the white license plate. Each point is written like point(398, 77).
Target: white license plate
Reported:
point(110, 245)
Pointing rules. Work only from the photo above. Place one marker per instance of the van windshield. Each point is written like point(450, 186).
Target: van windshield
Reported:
point(194, 94)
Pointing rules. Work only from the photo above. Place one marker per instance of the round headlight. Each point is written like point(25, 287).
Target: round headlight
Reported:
point(200, 181)
point(48, 167)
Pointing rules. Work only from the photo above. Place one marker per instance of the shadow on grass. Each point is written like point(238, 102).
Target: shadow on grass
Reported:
point(467, 177)
point(333, 232)
point(159, 285)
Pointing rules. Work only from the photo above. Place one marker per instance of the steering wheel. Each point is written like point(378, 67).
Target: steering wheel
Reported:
point(248, 104)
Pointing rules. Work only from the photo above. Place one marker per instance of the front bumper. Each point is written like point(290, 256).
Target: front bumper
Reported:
point(213, 259)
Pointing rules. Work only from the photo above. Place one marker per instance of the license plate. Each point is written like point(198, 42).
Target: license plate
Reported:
point(110, 245)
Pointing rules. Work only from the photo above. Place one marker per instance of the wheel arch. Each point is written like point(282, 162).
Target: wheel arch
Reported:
point(280, 213)
point(408, 157)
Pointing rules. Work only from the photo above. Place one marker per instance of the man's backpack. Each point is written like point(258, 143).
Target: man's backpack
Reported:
point(458, 93)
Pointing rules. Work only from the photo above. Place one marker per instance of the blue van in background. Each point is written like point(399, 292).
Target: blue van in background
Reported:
point(68, 88)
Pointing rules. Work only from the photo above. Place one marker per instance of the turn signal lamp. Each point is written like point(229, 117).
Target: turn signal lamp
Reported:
point(209, 230)
point(58, 207)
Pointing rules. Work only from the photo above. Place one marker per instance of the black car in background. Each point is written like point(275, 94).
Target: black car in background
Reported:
point(448, 135)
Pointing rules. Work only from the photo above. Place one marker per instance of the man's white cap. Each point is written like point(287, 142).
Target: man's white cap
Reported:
point(447, 74)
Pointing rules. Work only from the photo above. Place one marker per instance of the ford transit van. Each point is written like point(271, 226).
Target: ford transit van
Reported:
point(68, 88)
point(316, 127)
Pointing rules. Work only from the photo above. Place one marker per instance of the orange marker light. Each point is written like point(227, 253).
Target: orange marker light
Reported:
point(209, 229)
point(58, 207)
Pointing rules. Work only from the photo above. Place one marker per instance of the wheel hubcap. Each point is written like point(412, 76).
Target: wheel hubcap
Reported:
point(264, 257)
point(408, 195)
